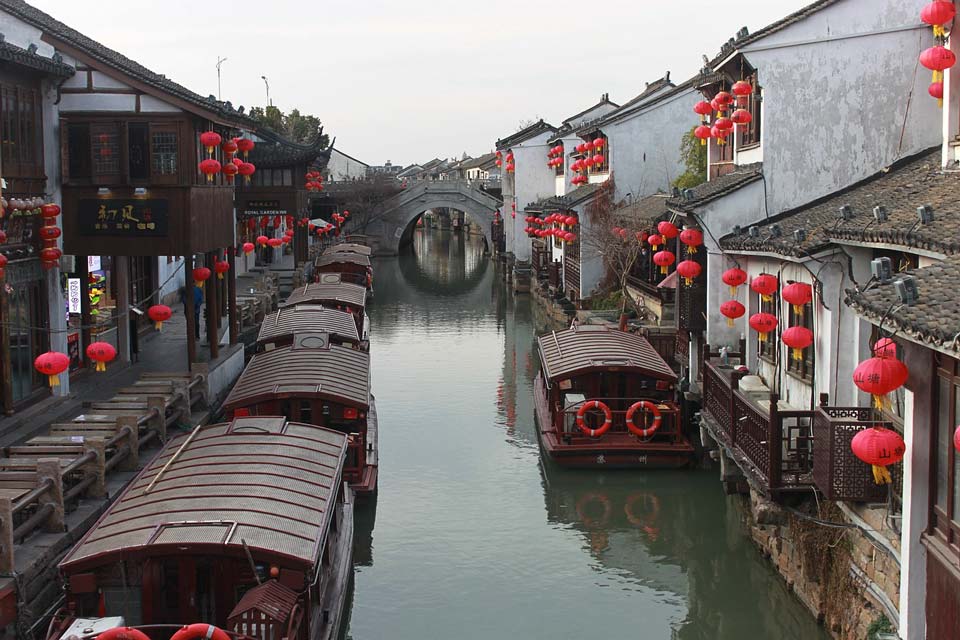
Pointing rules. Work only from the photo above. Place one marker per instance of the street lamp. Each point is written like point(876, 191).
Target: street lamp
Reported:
point(220, 61)
point(267, 85)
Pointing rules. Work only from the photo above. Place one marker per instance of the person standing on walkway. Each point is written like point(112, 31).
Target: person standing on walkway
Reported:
point(197, 304)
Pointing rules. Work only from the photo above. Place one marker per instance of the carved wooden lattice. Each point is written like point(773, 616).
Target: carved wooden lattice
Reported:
point(837, 473)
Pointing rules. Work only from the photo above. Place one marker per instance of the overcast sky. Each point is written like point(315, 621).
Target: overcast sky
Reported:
point(410, 80)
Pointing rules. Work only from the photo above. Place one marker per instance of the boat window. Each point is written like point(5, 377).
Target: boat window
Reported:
point(306, 411)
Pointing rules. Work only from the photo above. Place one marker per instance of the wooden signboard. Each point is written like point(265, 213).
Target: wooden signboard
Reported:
point(123, 218)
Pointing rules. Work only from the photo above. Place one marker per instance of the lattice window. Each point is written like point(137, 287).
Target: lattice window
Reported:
point(163, 152)
point(750, 134)
point(945, 497)
point(803, 367)
point(105, 144)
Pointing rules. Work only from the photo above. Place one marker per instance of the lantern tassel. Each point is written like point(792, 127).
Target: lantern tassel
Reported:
point(797, 309)
point(219, 276)
point(798, 354)
point(199, 283)
point(158, 326)
point(881, 403)
point(101, 366)
point(733, 292)
point(881, 475)
point(703, 142)
point(766, 298)
point(730, 322)
point(763, 337)
point(691, 249)
point(54, 380)
point(664, 269)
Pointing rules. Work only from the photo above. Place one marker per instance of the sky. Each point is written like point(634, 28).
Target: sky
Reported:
point(412, 80)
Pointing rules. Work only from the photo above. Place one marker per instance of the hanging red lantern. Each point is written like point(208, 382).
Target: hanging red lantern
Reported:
point(3, 236)
point(937, 14)
point(275, 242)
point(936, 91)
point(732, 310)
point(938, 59)
point(49, 234)
point(221, 267)
point(248, 248)
point(689, 270)
point(798, 339)
point(763, 323)
point(571, 237)
point(510, 167)
point(262, 240)
point(229, 147)
point(246, 169)
point(766, 285)
point(50, 254)
point(641, 236)
point(879, 448)
point(879, 376)
point(230, 170)
point(798, 294)
point(720, 134)
point(49, 211)
point(655, 240)
point(741, 89)
point(956, 439)
point(723, 99)
point(703, 133)
point(733, 278)
point(201, 275)
point(210, 139)
point(209, 168)
point(245, 145)
point(703, 109)
point(101, 353)
point(3, 266)
point(599, 143)
point(588, 161)
point(664, 259)
point(668, 230)
point(693, 238)
point(571, 221)
point(741, 117)
point(52, 364)
point(723, 124)
point(286, 239)
point(159, 313)
point(885, 348)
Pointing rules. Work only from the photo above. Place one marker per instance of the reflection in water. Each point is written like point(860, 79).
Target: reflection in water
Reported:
point(475, 537)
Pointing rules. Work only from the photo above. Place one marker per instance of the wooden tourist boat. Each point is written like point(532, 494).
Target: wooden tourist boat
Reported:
point(333, 293)
point(316, 382)
point(279, 327)
point(349, 247)
point(354, 268)
point(246, 526)
point(604, 398)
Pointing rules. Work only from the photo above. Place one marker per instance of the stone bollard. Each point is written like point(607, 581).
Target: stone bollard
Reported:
point(48, 469)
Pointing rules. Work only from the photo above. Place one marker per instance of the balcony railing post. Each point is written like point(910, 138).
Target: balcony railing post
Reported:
point(775, 443)
point(734, 417)
point(48, 471)
point(131, 461)
point(6, 536)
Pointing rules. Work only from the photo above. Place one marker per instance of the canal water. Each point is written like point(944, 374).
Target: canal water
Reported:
point(475, 537)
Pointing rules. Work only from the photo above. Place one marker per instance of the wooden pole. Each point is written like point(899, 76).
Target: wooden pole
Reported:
point(189, 310)
point(86, 318)
point(232, 298)
point(121, 275)
point(213, 311)
point(5, 350)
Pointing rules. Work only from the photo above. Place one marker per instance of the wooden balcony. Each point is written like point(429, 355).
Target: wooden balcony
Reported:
point(783, 450)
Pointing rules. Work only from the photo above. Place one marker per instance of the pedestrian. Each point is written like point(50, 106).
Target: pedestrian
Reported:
point(197, 304)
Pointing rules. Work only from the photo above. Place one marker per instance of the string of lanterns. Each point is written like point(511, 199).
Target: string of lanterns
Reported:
point(511, 167)
point(938, 58)
point(591, 153)
point(716, 119)
point(560, 227)
point(555, 157)
point(314, 181)
point(49, 233)
point(232, 166)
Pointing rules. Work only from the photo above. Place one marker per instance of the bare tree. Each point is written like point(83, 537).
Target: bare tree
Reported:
point(363, 199)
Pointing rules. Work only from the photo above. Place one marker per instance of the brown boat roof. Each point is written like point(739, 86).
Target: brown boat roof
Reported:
point(595, 347)
point(331, 289)
point(349, 247)
point(309, 368)
point(342, 258)
point(308, 318)
point(263, 482)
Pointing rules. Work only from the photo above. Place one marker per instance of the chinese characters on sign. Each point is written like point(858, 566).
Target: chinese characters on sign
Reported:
point(125, 218)
point(255, 208)
point(73, 295)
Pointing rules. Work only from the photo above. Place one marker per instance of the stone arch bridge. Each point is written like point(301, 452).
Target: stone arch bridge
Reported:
point(392, 226)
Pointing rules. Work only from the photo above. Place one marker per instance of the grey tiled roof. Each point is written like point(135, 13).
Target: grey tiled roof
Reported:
point(644, 211)
point(717, 188)
point(572, 199)
point(933, 320)
point(526, 133)
point(274, 152)
point(32, 60)
point(59, 31)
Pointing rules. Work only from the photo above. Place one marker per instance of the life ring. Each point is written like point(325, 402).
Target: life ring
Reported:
point(641, 431)
point(200, 631)
point(587, 499)
point(123, 633)
point(607, 418)
point(630, 510)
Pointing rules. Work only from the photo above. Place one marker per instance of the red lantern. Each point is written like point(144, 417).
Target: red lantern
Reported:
point(936, 91)
point(569, 236)
point(732, 310)
point(879, 448)
point(3, 236)
point(3, 265)
point(938, 59)
point(688, 270)
point(733, 278)
point(719, 134)
point(286, 239)
point(101, 353)
point(201, 275)
point(598, 143)
point(221, 267)
point(723, 124)
point(938, 13)
point(655, 240)
point(52, 364)
point(49, 211)
point(741, 117)
point(262, 240)
point(246, 169)
point(588, 161)
point(763, 323)
point(210, 139)
point(798, 294)
point(668, 230)
point(210, 168)
point(741, 88)
point(275, 242)
point(798, 339)
point(571, 221)
point(50, 254)
point(641, 236)
point(664, 259)
point(703, 133)
point(723, 99)
point(245, 145)
point(230, 170)
point(159, 313)
point(248, 248)
point(880, 376)
point(693, 238)
point(766, 285)
point(956, 439)
point(229, 147)
point(49, 234)
point(510, 167)
point(885, 348)
point(703, 109)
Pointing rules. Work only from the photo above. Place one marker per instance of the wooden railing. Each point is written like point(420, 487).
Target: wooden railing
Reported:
point(837, 473)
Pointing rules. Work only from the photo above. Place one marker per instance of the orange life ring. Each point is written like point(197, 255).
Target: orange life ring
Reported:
point(607, 418)
point(587, 499)
point(123, 633)
point(200, 631)
point(644, 432)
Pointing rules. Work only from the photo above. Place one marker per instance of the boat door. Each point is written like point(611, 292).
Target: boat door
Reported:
point(170, 594)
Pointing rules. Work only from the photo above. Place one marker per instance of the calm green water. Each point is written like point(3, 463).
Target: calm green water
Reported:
point(475, 537)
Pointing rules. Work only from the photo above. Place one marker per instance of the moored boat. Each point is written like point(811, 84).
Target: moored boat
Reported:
point(279, 327)
point(604, 398)
point(349, 247)
point(239, 530)
point(354, 268)
point(332, 292)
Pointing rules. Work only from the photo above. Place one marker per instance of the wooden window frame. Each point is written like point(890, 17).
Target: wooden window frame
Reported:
point(605, 167)
point(944, 526)
point(769, 349)
point(804, 367)
point(165, 178)
point(750, 136)
point(21, 130)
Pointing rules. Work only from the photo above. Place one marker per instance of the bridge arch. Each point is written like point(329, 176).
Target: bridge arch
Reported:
point(397, 215)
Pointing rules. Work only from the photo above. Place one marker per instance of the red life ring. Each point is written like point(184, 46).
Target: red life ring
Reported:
point(200, 631)
point(123, 633)
point(587, 499)
point(607, 418)
point(644, 432)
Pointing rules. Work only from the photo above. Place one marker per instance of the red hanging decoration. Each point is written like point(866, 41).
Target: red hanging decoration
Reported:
point(689, 270)
point(246, 169)
point(101, 353)
point(52, 364)
point(798, 339)
point(3, 266)
point(245, 145)
point(209, 168)
point(49, 212)
point(885, 348)
point(956, 439)
point(937, 14)
point(201, 275)
point(49, 234)
point(733, 278)
point(766, 285)
point(664, 259)
point(229, 148)
point(50, 254)
point(732, 310)
point(879, 448)
point(879, 376)
point(798, 294)
point(229, 171)
point(668, 230)
point(159, 313)
point(655, 240)
point(275, 242)
point(703, 133)
point(693, 238)
point(210, 139)
point(703, 109)
point(763, 324)
point(938, 59)
point(248, 248)
point(221, 267)
point(741, 117)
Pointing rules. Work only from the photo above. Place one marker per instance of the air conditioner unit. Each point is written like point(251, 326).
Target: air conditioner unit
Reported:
point(907, 290)
point(925, 214)
point(775, 231)
point(882, 270)
point(800, 235)
point(754, 231)
point(737, 230)
point(845, 212)
point(880, 213)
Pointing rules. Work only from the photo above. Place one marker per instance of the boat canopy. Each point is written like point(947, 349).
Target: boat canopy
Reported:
point(349, 247)
point(309, 368)
point(308, 318)
point(330, 289)
point(344, 257)
point(261, 483)
point(589, 348)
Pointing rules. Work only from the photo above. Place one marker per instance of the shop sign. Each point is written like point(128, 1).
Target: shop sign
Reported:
point(74, 293)
point(264, 208)
point(123, 218)
point(73, 350)
point(93, 263)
